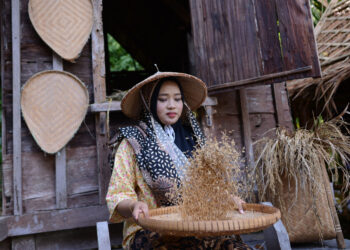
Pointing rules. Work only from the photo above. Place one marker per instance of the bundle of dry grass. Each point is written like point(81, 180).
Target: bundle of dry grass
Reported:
point(299, 155)
point(294, 160)
point(211, 181)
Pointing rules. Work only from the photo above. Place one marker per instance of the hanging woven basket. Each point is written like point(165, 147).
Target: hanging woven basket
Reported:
point(54, 104)
point(168, 221)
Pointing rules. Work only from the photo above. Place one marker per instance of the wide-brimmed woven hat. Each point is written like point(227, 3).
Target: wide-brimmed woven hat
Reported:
point(194, 90)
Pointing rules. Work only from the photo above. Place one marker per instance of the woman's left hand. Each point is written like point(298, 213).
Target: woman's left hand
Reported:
point(238, 202)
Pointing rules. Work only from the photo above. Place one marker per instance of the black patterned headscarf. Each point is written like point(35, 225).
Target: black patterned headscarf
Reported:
point(161, 161)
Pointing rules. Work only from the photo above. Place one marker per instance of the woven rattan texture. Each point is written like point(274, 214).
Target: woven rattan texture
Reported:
point(64, 25)
point(333, 33)
point(239, 225)
point(54, 105)
point(301, 221)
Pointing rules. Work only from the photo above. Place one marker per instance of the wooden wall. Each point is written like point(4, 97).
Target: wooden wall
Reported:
point(87, 174)
point(236, 47)
point(39, 168)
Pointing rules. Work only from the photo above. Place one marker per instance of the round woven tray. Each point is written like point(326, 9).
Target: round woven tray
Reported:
point(167, 221)
point(54, 104)
point(64, 25)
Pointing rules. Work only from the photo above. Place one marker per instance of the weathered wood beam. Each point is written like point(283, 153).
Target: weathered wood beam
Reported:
point(247, 135)
point(105, 106)
point(276, 88)
point(3, 228)
point(99, 82)
point(2, 70)
point(115, 105)
point(60, 157)
point(56, 220)
point(16, 104)
point(256, 80)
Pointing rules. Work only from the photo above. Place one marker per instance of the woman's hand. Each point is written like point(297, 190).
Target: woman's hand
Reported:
point(138, 208)
point(238, 202)
point(130, 208)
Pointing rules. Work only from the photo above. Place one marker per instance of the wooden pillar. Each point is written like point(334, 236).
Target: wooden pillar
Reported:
point(99, 82)
point(60, 161)
point(16, 104)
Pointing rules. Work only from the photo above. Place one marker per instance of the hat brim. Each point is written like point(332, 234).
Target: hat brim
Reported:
point(194, 90)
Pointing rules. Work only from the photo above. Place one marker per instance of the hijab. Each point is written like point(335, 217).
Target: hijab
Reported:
point(183, 134)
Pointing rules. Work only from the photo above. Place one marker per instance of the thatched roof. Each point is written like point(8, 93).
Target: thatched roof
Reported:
point(312, 97)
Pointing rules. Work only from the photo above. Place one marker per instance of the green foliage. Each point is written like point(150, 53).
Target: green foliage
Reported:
point(119, 58)
point(317, 9)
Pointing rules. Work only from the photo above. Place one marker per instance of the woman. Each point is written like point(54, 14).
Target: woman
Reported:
point(152, 156)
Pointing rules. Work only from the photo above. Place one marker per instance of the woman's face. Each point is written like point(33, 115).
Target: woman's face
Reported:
point(169, 103)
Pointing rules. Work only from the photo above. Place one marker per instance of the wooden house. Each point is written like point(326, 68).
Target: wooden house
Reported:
point(239, 48)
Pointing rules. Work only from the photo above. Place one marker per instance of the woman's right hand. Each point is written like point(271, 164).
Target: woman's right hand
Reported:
point(139, 207)
point(130, 208)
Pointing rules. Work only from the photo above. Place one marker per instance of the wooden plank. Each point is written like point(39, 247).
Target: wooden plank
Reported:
point(277, 88)
point(104, 242)
point(16, 103)
point(105, 106)
point(20, 243)
point(60, 162)
point(199, 40)
point(249, 154)
point(220, 60)
point(266, 19)
point(115, 105)
point(2, 75)
point(39, 179)
point(99, 72)
point(297, 36)
point(256, 81)
point(61, 179)
point(244, 45)
point(56, 220)
point(3, 228)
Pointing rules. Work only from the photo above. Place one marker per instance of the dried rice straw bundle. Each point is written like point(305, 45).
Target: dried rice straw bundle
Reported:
point(290, 165)
point(211, 181)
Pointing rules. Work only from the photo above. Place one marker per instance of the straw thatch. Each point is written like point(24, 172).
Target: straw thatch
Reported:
point(313, 97)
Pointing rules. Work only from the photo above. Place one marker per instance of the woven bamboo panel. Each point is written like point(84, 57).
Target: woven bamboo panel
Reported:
point(333, 31)
point(309, 226)
point(54, 104)
point(65, 25)
point(257, 217)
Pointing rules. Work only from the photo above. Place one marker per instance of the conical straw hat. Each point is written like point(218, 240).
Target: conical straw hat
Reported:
point(64, 25)
point(194, 89)
point(54, 104)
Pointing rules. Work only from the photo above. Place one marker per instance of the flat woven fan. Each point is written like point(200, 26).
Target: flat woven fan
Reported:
point(65, 25)
point(54, 104)
point(168, 221)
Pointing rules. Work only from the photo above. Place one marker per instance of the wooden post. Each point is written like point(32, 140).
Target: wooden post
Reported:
point(247, 135)
point(16, 104)
point(99, 81)
point(246, 128)
point(61, 168)
point(2, 64)
point(103, 239)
